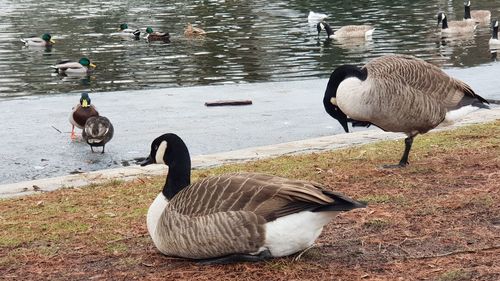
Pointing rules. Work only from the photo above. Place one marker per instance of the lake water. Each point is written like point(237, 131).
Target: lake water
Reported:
point(149, 89)
point(247, 41)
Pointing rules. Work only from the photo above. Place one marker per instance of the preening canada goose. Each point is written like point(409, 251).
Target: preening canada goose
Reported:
point(98, 131)
point(193, 31)
point(398, 94)
point(455, 27)
point(494, 42)
point(81, 112)
point(480, 16)
point(82, 67)
point(315, 17)
point(348, 31)
point(44, 41)
point(235, 217)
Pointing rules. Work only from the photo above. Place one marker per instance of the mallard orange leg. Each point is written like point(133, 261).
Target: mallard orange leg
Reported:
point(73, 136)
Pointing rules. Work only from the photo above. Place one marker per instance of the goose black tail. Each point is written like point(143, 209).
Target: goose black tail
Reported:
point(342, 203)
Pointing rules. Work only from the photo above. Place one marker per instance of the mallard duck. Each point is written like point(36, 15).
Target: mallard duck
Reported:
point(193, 31)
point(44, 41)
point(235, 217)
point(398, 94)
point(128, 32)
point(348, 31)
point(494, 42)
point(82, 67)
point(156, 36)
point(455, 27)
point(478, 16)
point(81, 112)
point(98, 131)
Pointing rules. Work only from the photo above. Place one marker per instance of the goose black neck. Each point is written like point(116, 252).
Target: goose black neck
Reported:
point(445, 23)
point(495, 33)
point(179, 168)
point(339, 75)
point(467, 13)
point(328, 29)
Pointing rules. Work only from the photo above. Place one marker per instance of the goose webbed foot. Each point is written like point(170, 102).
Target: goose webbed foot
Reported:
point(236, 258)
point(356, 123)
point(404, 160)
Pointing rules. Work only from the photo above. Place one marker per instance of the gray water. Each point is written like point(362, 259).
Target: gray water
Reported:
point(150, 89)
point(247, 41)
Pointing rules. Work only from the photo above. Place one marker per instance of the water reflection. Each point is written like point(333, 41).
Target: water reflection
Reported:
point(246, 41)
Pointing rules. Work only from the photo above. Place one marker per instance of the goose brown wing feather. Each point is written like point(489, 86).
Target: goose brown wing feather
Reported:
point(267, 196)
point(424, 77)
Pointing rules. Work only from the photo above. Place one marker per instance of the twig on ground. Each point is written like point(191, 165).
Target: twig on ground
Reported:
point(57, 129)
point(457, 252)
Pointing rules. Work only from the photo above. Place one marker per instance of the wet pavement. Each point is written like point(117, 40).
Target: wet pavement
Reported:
point(35, 136)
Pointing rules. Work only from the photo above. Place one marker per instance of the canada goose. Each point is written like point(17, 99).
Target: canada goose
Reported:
point(193, 31)
point(480, 16)
point(82, 67)
point(127, 32)
point(44, 41)
point(81, 112)
point(235, 217)
point(398, 94)
point(455, 27)
point(348, 31)
point(494, 42)
point(98, 131)
point(156, 36)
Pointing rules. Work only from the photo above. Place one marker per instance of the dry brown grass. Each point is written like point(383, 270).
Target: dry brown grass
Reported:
point(438, 219)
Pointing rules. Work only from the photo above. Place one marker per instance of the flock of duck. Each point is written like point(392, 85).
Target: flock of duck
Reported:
point(84, 65)
point(252, 216)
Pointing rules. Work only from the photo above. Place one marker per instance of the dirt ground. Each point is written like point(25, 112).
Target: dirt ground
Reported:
point(438, 219)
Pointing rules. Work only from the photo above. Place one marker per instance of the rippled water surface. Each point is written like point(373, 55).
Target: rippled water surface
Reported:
point(247, 41)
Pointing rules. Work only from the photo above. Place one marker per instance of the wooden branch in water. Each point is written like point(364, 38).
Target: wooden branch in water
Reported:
point(228, 102)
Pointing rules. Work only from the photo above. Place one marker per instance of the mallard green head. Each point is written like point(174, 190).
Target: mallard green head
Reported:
point(85, 100)
point(149, 30)
point(46, 37)
point(123, 26)
point(86, 62)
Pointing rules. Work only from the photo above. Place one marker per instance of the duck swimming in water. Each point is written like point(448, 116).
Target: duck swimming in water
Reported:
point(82, 67)
point(44, 41)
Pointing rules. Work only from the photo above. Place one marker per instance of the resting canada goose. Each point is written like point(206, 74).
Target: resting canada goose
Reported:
point(82, 67)
point(156, 36)
point(398, 94)
point(44, 41)
point(235, 217)
point(193, 31)
point(98, 131)
point(480, 16)
point(348, 31)
point(81, 112)
point(455, 27)
point(494, 42)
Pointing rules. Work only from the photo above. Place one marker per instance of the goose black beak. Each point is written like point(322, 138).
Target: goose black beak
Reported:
point(147, 161)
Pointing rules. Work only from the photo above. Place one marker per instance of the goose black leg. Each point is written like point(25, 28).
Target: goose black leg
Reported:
point(235, 258)
point(404, 160)
point(92, 148)
point(103, 149)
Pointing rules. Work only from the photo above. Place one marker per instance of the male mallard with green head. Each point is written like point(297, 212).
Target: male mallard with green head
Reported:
point(127, 32)
point(82, 67)
point(81, 112)
point(44, 41)
point(156, 36)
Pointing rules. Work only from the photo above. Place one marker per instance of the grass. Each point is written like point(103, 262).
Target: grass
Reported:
point(447, 196)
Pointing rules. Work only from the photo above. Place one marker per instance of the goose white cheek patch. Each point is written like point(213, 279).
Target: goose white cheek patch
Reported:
point(161, 152)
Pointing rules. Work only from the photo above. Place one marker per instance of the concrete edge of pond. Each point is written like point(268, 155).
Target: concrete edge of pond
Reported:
point(203, 161)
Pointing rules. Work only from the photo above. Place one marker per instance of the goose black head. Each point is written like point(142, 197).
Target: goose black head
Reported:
point(441, 17)
point(330, 101)
point(324, 26)
point(85, 100)
point(170, 149)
